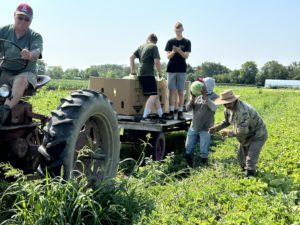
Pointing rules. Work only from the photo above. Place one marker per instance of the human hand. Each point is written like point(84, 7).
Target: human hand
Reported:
point(25, 54)
point(192, 97)
point(227, 133)
point(212, 130)
point(175, 49)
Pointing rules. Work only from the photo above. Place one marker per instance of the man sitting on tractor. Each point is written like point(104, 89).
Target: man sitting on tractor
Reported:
point(32, 46)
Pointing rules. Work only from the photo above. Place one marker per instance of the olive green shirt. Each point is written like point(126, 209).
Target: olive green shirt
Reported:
point(247, 123)
point(31, 40)
point(146, 54)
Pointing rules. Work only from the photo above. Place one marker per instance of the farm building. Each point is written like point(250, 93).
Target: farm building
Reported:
point(270, 83)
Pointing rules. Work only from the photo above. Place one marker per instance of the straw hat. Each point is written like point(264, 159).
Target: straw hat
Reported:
point(226, 97)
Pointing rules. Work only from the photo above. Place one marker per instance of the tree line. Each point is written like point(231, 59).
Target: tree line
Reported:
point(249, 73)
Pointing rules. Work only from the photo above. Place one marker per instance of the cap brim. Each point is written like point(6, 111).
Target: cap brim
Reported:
point(220, 101)
point(22, 13)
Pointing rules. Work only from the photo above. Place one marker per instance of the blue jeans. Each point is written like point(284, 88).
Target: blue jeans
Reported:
point(193, 138)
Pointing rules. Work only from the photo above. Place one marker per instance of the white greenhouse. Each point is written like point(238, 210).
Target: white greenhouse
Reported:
point(270, 83)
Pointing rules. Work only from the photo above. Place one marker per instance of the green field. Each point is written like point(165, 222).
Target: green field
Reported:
point(164, 193)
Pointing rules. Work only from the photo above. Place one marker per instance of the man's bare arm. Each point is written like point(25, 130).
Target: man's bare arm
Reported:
point(132, 69)
point(158, 66)
point(30, 55)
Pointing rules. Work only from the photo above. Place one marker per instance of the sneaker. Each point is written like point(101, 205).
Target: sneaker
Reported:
point(161, 120)
point(147, 120)
point(180, 116)
point(170, 116)
point(4, 113)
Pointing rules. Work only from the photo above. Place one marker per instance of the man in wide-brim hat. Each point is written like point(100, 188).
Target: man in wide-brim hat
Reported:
point(248, 128)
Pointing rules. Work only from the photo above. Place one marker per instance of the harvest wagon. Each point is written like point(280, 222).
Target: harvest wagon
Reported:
point(128, 101)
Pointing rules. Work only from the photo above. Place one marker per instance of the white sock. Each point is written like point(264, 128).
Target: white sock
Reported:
point(160, 112)
point(146, 112)
point(180, 109)
point(172, 108)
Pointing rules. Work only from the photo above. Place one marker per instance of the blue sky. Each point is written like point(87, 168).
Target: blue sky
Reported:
point(92, 32)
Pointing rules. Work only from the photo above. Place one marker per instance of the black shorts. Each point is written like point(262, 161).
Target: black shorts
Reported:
point(149, 85)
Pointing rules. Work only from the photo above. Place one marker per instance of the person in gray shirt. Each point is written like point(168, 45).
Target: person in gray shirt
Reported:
point(203, 118)
point(31, 44)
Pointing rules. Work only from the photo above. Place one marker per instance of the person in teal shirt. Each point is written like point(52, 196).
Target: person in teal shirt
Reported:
point(31, 44)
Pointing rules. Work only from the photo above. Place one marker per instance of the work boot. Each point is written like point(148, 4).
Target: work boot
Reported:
point(189, 160)
point(180, 116)
point(250, 173)
point(203, 161)
point(4, 113)
point(170, 116)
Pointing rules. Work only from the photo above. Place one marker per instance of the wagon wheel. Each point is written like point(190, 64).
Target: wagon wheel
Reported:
point(158, 148)
point(83, 136)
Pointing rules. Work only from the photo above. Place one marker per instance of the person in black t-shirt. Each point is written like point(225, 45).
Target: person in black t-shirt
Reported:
point(178, 50)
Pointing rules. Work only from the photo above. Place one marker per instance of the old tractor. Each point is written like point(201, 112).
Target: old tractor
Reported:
point(81, 136)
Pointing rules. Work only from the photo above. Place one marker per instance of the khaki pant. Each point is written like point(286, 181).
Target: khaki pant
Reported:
point(248, 154)
point(8, 78)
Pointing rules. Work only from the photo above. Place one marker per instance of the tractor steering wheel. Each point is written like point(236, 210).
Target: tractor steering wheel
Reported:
point(10, 57)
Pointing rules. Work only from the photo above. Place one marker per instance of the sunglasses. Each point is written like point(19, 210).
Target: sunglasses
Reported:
point(23, 18)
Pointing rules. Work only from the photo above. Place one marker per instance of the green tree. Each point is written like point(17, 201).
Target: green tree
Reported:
point(209, 69)
point(234, 77)
point(72, 73)
point(271, 70)
point(294, 71)
point(248, 72)
point(92, 71)
point(109, 74)
point(223, 78)
point(55, 72)
point(41, 67)
point(113, 70)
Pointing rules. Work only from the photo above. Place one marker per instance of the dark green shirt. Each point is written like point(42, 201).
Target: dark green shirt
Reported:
point(146, 53)
point(31, 40)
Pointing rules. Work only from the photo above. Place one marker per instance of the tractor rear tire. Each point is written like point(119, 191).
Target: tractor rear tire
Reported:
point(82, 136)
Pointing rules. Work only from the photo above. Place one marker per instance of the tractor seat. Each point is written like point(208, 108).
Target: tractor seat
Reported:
point(42, 80)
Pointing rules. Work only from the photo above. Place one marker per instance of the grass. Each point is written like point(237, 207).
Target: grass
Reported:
point(168, 193)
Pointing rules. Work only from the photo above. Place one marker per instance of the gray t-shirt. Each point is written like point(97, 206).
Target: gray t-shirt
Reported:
point(31, 40)
point(203, 112)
